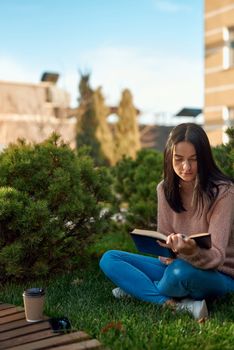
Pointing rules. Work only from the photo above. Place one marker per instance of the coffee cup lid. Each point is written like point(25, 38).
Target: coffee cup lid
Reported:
point(33, 292)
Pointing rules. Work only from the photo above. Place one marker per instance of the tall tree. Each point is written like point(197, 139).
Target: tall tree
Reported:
point(127, 136)
point(87, 122)
point(103, 131)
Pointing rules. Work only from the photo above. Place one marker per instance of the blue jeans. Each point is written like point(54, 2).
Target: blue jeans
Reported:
point(148, 279)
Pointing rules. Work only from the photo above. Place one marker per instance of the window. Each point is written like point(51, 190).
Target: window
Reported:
point(228, 118)
point(231, 46)
point(231, 116)
point(228, 49)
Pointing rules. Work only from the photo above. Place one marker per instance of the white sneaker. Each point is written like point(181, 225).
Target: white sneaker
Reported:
point(119, 293)
point(197, 308)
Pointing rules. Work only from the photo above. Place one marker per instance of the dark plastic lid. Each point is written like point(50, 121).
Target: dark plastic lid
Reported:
point(60, 325)
point(34, 292)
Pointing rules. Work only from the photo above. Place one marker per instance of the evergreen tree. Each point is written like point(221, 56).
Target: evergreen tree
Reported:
point(103, 131)
point(127, 136)
point(87, 123)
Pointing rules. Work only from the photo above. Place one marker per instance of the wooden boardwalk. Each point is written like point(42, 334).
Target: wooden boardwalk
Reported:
point(18, 334)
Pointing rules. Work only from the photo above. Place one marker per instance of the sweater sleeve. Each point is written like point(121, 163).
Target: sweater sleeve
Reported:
point(163, 221)
point(220, 219)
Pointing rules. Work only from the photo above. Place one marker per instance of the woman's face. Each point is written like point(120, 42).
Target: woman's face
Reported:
point(184, 161)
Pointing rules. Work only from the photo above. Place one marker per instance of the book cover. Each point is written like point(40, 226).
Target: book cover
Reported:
point(146, 242)
point(149, 245)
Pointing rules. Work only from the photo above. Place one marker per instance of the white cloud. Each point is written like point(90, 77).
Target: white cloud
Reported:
point(158, 81)
point(170, 6)
point(13, 70)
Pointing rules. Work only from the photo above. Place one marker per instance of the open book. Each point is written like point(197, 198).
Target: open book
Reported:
point(146, 242)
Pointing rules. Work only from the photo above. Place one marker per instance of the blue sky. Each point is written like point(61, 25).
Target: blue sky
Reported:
point(152, 47)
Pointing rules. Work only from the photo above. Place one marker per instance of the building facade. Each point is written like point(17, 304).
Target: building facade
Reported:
point(33, 111)
point(219, 69)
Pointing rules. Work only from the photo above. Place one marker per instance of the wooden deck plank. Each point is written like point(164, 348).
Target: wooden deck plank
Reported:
point(61, 339)
point(5, 306)
point(24, 329)
point(44, 334)
point(10, 311)
point(17, 316)
point(87, 344)
point(13, 325)
point(18, 334)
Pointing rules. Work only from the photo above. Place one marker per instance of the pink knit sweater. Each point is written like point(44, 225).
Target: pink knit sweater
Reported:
point(219, 221)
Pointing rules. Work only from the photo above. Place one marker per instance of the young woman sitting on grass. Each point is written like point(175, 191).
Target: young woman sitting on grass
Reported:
point(194, 197)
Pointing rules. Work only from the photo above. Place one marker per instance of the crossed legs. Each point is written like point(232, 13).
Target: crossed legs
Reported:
point(148, 279)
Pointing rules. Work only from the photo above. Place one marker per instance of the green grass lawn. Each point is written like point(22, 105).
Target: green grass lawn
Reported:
point(85, 298)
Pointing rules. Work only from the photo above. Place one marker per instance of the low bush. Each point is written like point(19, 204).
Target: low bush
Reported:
point(224, 154)
point(51, 202)
point(135, 187)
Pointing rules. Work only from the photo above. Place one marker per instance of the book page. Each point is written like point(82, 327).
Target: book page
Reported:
point(158, 235)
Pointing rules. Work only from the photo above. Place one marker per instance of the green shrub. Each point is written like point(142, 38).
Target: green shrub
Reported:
point(135, 185)
point(224, 154)
point(51, 202)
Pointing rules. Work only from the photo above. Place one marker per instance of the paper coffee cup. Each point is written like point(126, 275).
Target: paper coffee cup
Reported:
point(33, 304)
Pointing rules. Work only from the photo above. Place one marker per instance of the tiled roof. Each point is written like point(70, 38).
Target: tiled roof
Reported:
point(154, 136)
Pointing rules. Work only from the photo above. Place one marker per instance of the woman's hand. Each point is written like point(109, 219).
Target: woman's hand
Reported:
point(181, 244)
point(166, 261)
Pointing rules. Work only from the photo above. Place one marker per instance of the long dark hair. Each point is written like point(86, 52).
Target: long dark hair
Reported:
point(209, 176)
